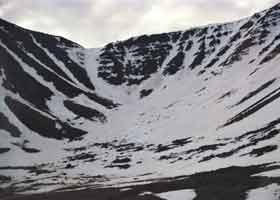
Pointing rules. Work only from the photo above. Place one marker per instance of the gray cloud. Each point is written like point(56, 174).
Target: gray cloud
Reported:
point(97, 22)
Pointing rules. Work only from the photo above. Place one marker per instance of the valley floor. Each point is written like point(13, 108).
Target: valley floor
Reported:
point(232, 183)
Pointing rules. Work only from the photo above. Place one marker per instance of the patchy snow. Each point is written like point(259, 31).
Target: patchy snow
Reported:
point(272, 173)
point(145, 193)
point(178, 195)
point(125, 189)
point(270, 192)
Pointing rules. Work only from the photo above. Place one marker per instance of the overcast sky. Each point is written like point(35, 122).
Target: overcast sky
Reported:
point(94, 23)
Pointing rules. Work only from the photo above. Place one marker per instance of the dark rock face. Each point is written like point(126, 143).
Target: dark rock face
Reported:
point(144, 93)
point(263, 150)
point(4, 150)
point(37, 67)
point(132, 61)
point(175, 64)
point(86, 157)
point(269, 98)
point(22, 40)
point(199, 56)
point(149, 52)
point(58, 47)
point(6, 125)
point(121, 160)
point(253, 137)
point(255, 92)
point(20, 44)
point(42, 123)
point(16, 80)
point(84, 111)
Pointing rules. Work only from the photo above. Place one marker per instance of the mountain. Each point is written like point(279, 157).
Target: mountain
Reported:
point(191, 113)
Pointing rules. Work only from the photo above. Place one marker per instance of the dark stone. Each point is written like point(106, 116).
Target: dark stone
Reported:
point(4, 150)
point(84, 111)
point(121, 160)
point(263, 150)
point(144, 93)
point(8, 126)
point(175, 64)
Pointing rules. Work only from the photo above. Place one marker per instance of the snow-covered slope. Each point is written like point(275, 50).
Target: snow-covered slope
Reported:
point(194, 102)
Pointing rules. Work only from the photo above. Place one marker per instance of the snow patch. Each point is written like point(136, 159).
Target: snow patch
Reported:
point(178, 195)
point(270, 192)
